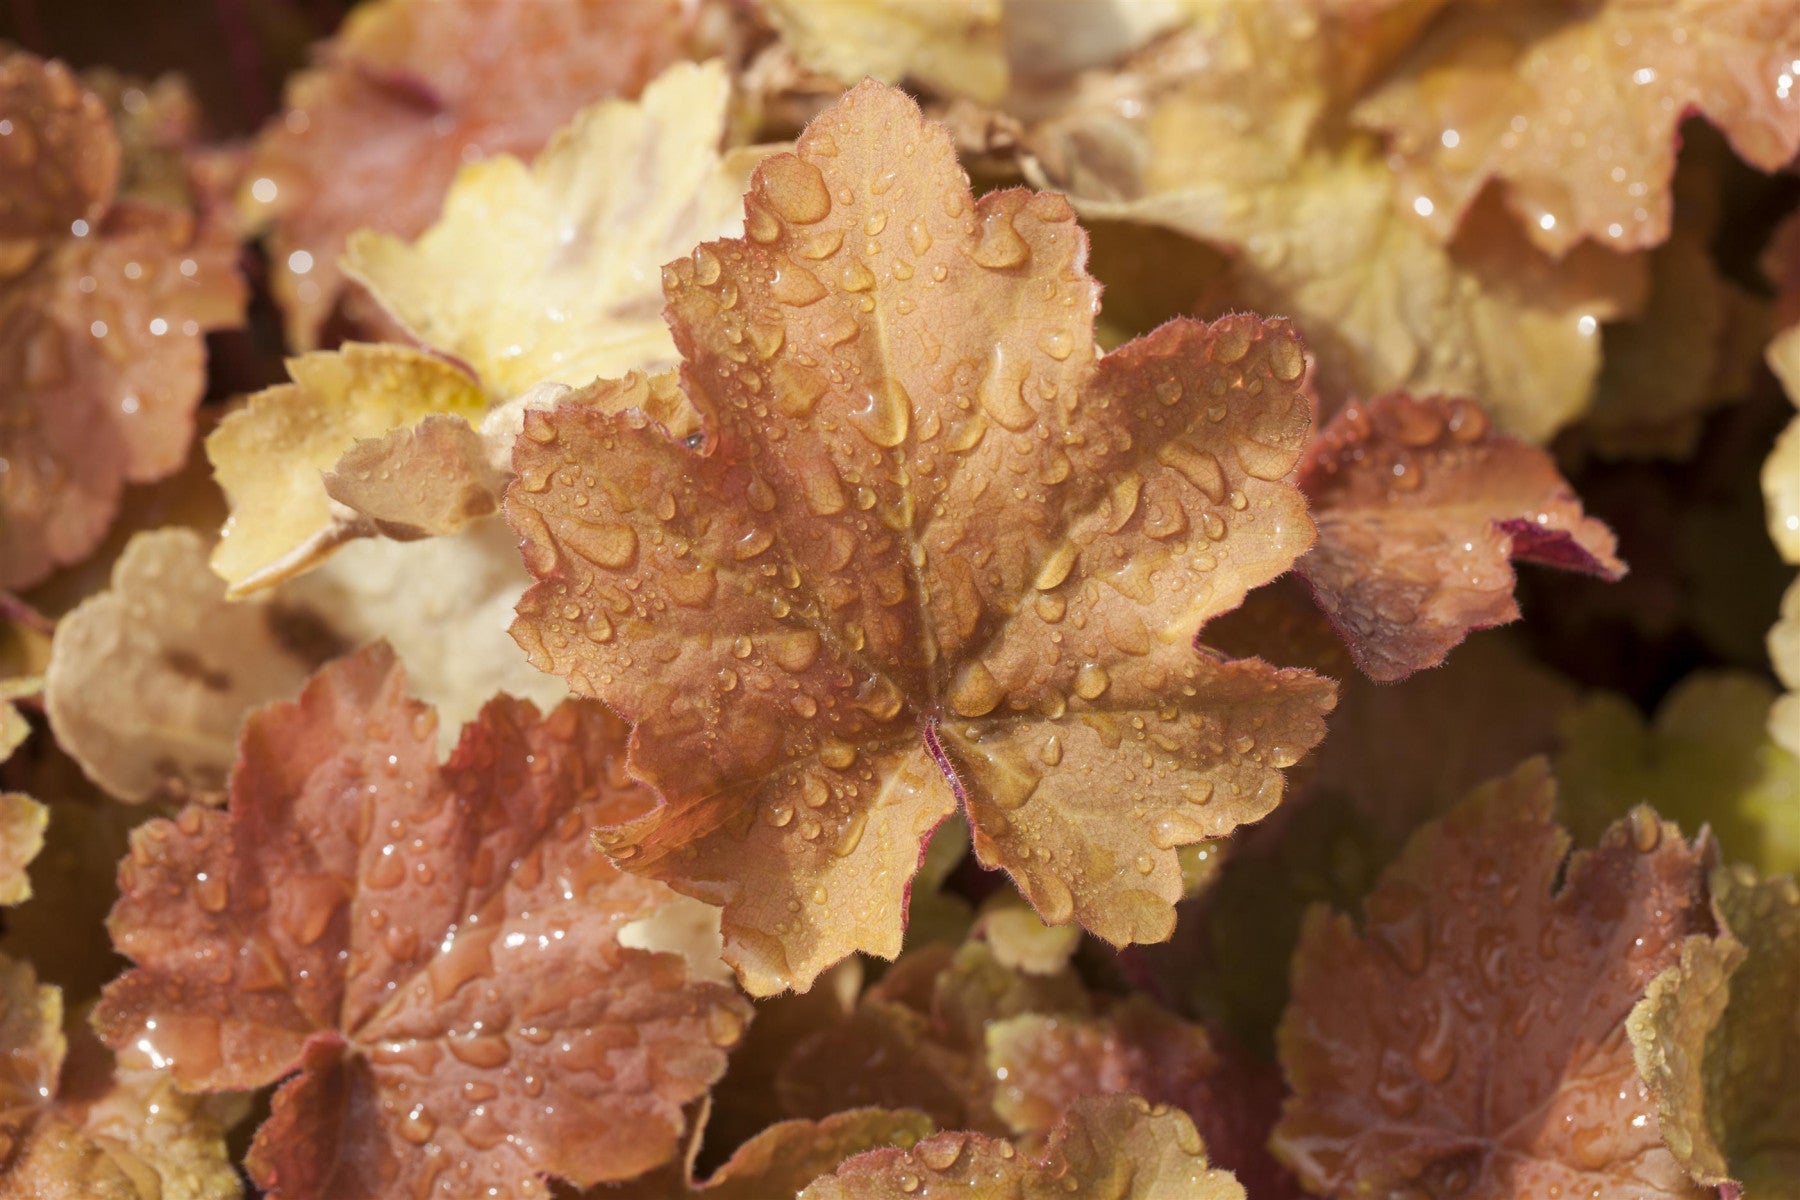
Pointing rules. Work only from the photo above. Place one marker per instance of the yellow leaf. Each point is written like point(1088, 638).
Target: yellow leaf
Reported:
point(552, 271)
point(268, 456)
point(951, 46)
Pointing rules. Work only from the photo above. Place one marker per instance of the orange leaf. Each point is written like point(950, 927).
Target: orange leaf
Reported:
point(411, 90)
point(930, 552)
point(1471, 1039)
point(1420, 506)
point(1576, 112)
point(399, 932)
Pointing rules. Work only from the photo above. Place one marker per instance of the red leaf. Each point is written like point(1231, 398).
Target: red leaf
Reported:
point(1419, 506)
point(435, 949)
point(1470, 1039)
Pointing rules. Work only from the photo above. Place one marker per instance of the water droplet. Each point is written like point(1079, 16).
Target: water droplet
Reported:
point(918, 236)
point(885, 415)
point(856, 277)
point(1051, 752)
point(1397, 921)
point(1646, 830)
point(1199, 467)
point(1058, 344)
point(706, 266)
point(851, 834)
point(796, 189)
point(1091, 680)
point(795, 286)
point(487, 1051)
point(1435, 1056)
point(1051, 897)
point(1286, 360)
point(1418, 423)
point(608, 546)
point(974, 693)
point(417, 1125)
point(999, 246)
point(1231, 340)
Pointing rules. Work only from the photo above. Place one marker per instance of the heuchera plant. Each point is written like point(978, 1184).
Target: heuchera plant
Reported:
point(858, 600)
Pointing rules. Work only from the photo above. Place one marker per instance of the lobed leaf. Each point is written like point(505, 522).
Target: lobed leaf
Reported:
point(1714, 1041)
point(1116, 1146)
point(1706, 759)
point(854, 630)
point(1471, 1038)
point(86, 1131)
point(782, 1159)
point(1420, 506)
point(149, 681)
point(407, 94)
point(101, 324)
point(269, 455)
point(432, 948)
point(65, 167)
point(1229, 140)
point(1576, 112)
point(549, 272)
point(953, 46)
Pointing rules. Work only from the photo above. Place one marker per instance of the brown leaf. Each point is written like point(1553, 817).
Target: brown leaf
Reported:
point(854, 629)
point(1471, 1038)
point(399, 932)
point(1420, 506)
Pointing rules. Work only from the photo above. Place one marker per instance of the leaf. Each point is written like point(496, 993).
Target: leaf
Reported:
point(422, 597)
point(914, 1040)
point(1784, 655)
point(837, 603)
point(1688, 351)
point(1020, 941)
point(94, 1133)
point(1714, 1040)
point(1227, 145)
point(1420, 506)
point(1472, 1038)
point(268, 456)
point(1707, 759)
point(1113, 1146)
point(149, 681)
point(101, 324)
point(408, 93)
point(782, 1159)
point(279, 936)
point(66, 168)
point(550, 272)
point(1575, 113)
point(22, 822)
point(1047, 1063)
point(1781, 472)
point(61, 928)
point(953, 46)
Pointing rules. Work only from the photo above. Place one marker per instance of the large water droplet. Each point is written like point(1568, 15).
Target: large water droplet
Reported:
point(796, 189)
